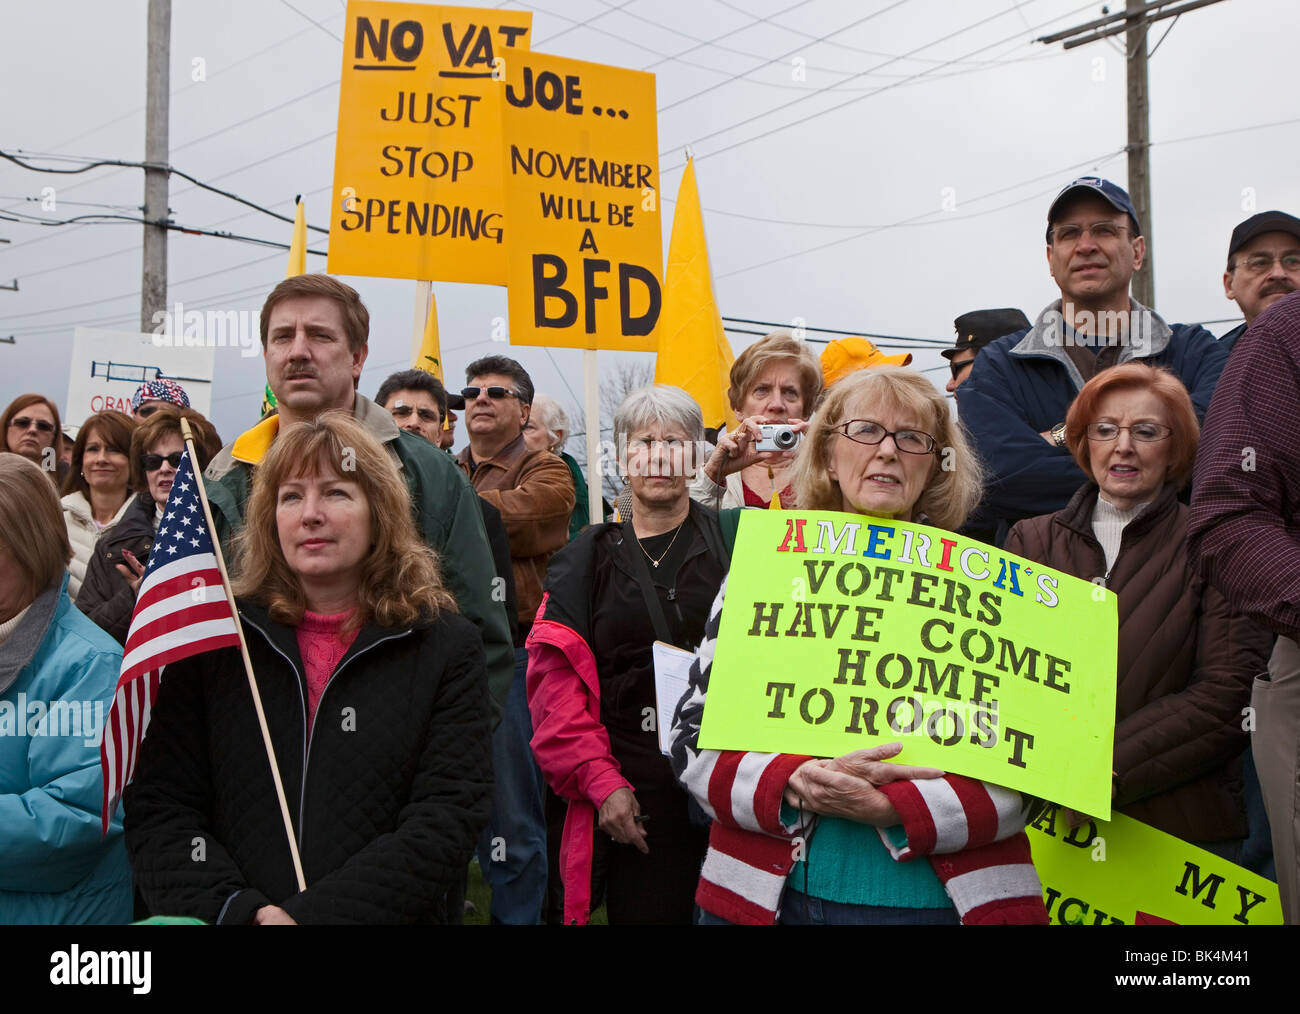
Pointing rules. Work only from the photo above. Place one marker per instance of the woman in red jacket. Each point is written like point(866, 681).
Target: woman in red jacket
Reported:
point(1186, 661)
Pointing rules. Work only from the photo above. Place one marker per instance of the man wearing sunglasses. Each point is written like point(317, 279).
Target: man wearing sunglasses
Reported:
point(1263, 266)
point(534, 493)
point(315, 333)
point(975, 330)
point(1022, 384)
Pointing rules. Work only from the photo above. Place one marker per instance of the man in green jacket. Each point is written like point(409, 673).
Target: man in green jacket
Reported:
point(314, 335)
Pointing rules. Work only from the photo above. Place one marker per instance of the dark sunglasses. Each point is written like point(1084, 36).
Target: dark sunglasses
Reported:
point(153, 462)
point(148, 409)
point(24, 421)
point(495, 393)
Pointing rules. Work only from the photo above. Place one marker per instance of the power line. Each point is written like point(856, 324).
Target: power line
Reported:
point(856, 98)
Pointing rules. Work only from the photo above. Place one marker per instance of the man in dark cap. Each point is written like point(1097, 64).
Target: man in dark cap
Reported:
point(1021, 386)
point(975, 330)
point(1263, 266)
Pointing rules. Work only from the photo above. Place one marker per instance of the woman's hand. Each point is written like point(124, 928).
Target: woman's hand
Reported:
point(735, 451)
point(273, 915)
point(617, 819)
point(846, 786)
point(132, 571)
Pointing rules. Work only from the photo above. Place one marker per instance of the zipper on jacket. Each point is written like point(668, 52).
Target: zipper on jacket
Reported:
point(301, 683)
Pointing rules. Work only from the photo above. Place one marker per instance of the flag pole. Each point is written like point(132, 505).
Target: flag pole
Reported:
point(188, 435)
point(595, 483)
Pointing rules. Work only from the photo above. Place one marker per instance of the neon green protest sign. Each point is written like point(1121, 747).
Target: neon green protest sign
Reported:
point(1102, 873)
point(842, 631)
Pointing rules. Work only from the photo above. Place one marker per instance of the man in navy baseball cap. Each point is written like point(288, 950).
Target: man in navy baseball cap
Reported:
point(1263, 266)
point(1019, 391)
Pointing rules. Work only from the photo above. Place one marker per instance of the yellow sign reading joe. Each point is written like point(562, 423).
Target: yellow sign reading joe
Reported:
point(840, 631)
point(582, 178)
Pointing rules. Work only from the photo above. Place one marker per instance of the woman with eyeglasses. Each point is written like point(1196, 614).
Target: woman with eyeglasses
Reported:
point(1186, 661)
point(30, 427)
point(97, 490)
point(117, 565)
point(883, 445)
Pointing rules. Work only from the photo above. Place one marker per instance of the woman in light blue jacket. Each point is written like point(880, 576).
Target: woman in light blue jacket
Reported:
point(58, 672)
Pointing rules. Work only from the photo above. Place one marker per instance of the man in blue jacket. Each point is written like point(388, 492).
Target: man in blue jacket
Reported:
point(1015, 401)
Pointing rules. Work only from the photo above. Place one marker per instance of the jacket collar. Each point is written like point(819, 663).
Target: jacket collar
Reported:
point(1148, 335)
point(504, 458)
point(1077, 514)
point(284, 639)
point(250, 447)
point(23, 643)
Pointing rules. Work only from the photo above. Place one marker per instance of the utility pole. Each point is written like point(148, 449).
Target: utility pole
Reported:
point(153, 281)
point(1139, 147)
point(1136, 18)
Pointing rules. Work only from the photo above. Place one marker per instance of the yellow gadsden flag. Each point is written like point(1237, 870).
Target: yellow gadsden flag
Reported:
point(298, 245)
point(429, 357)
point(694, 353)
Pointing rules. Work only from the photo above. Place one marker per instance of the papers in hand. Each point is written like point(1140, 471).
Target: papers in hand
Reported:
point(672, 666)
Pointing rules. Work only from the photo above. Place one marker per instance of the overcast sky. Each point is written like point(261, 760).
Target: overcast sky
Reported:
point(885, 179)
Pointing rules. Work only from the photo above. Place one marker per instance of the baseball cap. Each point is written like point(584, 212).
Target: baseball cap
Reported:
point(848, 355)
point(1116, 196)
point(1265, 221)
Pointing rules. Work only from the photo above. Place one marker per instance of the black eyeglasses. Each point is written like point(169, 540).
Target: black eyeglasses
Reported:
point(404, 412)
point(495, 393)
point(25, 421)
point(153, 462)
point(1146, 432)
point(957, 367)
point(864, 431)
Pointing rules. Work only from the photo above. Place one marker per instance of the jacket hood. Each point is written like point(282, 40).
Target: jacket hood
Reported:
point(21, 646)
point(1148, 335)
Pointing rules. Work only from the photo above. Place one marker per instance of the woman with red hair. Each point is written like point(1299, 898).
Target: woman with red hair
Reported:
point(1186, 661)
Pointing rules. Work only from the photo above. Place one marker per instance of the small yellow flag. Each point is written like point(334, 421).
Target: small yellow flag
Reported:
point(694, 353)
point(298, 246)
point(429, 358)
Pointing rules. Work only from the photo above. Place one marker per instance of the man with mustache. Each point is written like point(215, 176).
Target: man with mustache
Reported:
point(1263, 266)
point(315, 333)
point(1021, 386)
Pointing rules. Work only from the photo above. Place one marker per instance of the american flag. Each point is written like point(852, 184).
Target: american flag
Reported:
point(181, 611)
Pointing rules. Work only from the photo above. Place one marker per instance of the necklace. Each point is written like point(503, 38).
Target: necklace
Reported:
point(653, 561)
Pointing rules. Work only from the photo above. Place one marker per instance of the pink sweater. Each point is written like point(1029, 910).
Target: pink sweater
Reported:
point(322, 648)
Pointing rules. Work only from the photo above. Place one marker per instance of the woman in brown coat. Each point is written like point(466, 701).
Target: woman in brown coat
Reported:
point(1186, 661)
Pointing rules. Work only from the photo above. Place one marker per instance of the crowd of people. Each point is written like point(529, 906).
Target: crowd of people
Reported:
point(453, 663)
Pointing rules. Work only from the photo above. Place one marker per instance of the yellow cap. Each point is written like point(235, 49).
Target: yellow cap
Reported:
point(848, 355)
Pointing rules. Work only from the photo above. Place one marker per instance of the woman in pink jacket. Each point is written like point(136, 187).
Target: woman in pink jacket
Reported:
point(610, 595)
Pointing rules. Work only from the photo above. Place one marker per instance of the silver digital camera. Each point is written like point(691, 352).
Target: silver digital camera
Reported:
point(776, 437)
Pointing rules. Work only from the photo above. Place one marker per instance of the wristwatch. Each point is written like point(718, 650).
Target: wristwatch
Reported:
point(1058, 434)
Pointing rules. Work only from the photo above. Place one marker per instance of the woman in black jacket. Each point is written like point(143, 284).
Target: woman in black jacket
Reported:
point(376, 700)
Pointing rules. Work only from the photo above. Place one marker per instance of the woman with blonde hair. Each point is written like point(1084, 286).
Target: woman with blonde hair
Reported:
point(883, 445)
point(777, 380)
point(375, 696)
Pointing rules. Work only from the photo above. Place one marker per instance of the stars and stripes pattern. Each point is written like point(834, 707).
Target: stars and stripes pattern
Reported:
point(181, 610)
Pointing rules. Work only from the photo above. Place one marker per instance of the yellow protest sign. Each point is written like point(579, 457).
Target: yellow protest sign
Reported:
point(1106, 872)
point(417, 162)
point(582, 198)
point(841, 631)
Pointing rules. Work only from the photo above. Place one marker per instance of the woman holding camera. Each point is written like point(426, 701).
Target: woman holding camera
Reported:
point(776, 381)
